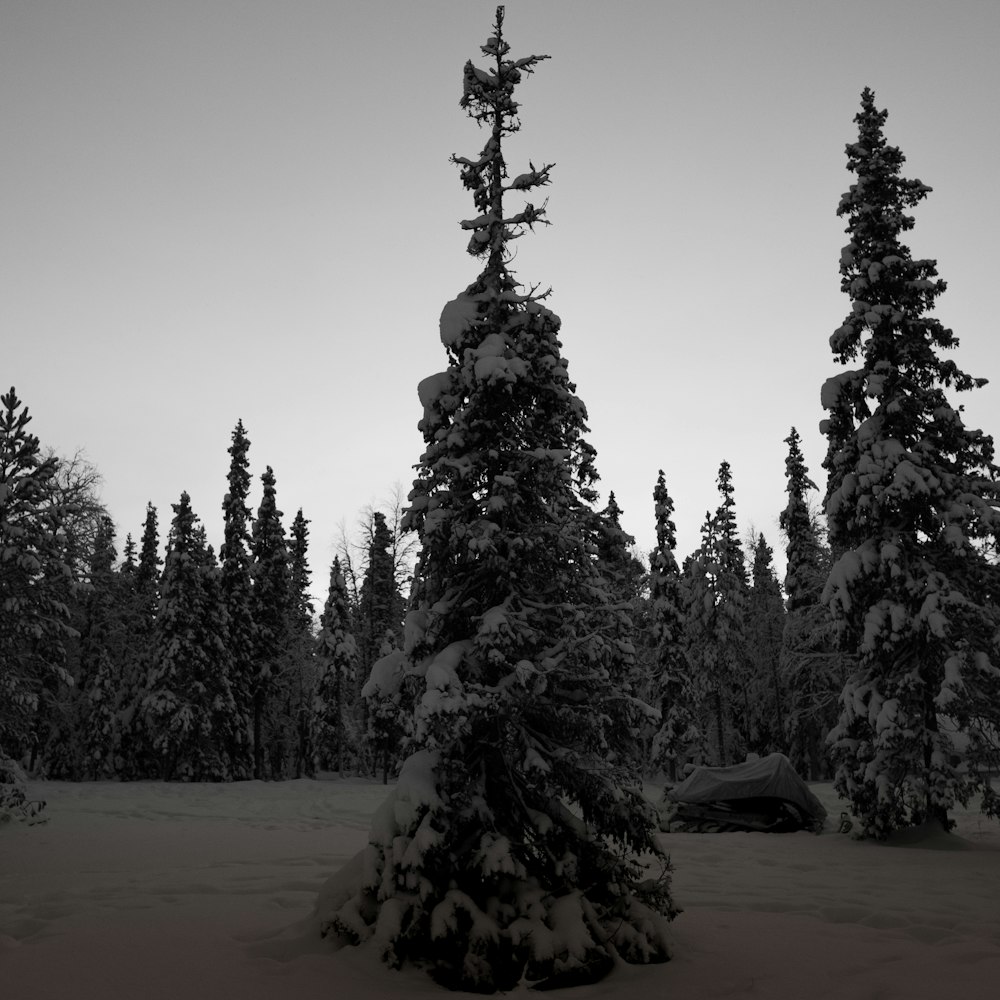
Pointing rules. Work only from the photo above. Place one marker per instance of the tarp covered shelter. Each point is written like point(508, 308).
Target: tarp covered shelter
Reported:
point(771, 777)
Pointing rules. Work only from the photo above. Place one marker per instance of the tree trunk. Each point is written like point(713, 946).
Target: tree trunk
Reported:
point(258, 749)
point(720, 729)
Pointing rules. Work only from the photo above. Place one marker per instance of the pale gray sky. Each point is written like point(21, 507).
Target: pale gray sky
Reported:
point(223, 209)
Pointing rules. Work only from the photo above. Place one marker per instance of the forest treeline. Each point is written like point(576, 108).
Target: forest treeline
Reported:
point(170, 661)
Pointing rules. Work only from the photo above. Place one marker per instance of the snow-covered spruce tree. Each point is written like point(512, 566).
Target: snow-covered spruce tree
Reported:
point(139, 759)
point(188, 692)
point(764, 627)
point(299, 674)
point(271, 613)
point(716, 594)
point(511, 849)
point(102, 659)
point(804, 575)
point(378, 614)
point(148, 570)
point(82, 717)
point(912, 497)
point(336, 659)
point(622, 571)
point(732, 592)
point(237, 596)
point(812, 670)
point(678, 737)
point(626, 581)
point(389, 707)
point(380, 605)
point(129, 565)
point(226, 720)
point(34, 577)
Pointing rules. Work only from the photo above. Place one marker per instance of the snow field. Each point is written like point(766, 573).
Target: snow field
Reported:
point(183, 892)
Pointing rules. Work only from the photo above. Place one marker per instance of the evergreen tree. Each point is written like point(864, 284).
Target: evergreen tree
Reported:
point(188, 700)
point(271, 611)
point(35, 577)
point(102, 659)
point(147, 577)
point(623, 573)
point(237, 596)
point(911, 498)
point(389, 706)
point(129, 566)
point(80, 729)
point(803, 573)
point(678, 736)
point(134, 643)
point(716, 584)
point(379, 612)
point(380, 605)
point(300, 672)
point(139, 759)
point(508, 851)
point(626, 581)
point(336, 656)
point(227, 723)
point(811, 667)
point(764, 628)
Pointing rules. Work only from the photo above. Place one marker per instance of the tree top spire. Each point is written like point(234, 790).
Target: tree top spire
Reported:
point(488, 98)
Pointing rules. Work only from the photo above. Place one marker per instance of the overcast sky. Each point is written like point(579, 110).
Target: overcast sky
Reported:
point(243, 209)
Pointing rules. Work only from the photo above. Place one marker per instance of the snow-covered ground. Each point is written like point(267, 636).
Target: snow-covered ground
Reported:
point(183, 892)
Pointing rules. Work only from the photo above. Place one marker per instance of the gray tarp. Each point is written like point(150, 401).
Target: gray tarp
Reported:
point(769, 777)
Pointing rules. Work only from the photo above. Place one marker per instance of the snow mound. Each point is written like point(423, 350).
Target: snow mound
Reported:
point(929, 836)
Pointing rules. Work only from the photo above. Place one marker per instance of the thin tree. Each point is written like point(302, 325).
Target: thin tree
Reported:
point(139, 759)
point(812, 668)
point(102, 679)
point(716, 593)
point(511, 848)
point(912, 498)
point(271, 610)
point(299, 679)
point(336, 657)
point(678, 738)
point(237, 596)
point(764, 628)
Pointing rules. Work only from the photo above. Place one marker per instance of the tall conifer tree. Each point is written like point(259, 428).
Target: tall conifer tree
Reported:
point(811, 666)
point(271, 612)
point(139, 759)
point(188, 693)
point(147, 579)
point(678, 737)
point(625, 580)
point(509, 849)
point(336, 656)
point(621, 570)
point(237, 596)
point(803, 573)
point(102, 681)
point(300, 673)
point(35, 576)
point(911, 499)
point(129, 565)
point(716, 584)
point(379, 616)
point(764, 627)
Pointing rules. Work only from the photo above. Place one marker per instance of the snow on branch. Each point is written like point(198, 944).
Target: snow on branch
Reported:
point(533, 178)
